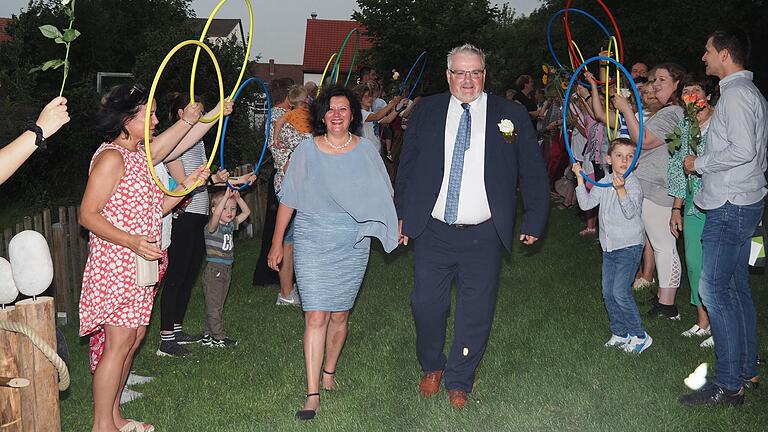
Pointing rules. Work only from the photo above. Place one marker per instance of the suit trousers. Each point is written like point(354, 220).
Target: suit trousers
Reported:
point(472, 256)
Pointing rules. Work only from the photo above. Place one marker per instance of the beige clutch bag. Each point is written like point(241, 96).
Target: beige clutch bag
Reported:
point(147, 272)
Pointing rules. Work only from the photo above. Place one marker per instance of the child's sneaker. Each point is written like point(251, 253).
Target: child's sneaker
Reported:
point(129, 395)
point(293, 298)
point(223, 343)
point(636, 345)
point(134, 379)
point(708, 343)
point(207, 340)
point(616, 341)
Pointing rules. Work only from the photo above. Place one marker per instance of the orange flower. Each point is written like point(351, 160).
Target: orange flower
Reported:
point(701, 103)
point(544, 79)
point(564, 85)
point(545, 68)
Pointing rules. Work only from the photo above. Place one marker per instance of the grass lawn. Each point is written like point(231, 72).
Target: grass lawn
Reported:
point(545, 368)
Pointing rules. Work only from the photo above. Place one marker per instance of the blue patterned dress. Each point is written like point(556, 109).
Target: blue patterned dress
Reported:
point(341, 200)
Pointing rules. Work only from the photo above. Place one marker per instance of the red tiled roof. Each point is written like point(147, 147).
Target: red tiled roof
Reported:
point(3, 35)
point(324, 37)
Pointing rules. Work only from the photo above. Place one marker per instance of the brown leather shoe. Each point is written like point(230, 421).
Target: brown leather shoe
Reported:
point(458, 398)
point(430, 383)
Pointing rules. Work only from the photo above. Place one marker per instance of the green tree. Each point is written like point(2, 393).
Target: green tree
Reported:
point(402, 29)
point(117, 36)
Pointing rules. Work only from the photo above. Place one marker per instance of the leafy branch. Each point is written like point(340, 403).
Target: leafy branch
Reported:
point(66, 37)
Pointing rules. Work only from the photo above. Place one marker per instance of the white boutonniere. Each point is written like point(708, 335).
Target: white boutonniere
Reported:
point(507, 129)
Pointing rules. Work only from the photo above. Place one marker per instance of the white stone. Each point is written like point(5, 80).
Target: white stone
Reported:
point(31, 262)
point(8, 291)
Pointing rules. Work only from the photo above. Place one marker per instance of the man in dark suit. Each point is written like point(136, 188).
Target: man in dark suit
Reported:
point(455, 194)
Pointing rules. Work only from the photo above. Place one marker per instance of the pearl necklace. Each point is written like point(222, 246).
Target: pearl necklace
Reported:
point(325, 138)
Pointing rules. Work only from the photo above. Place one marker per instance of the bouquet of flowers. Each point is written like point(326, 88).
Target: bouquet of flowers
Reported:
point(555, 81)
point(693, 106)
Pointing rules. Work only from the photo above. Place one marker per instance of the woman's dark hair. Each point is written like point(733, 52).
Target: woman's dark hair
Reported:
point(176, 101)
point(707, 83)
point(677, 73)
point(118, 107)
point(322, 105)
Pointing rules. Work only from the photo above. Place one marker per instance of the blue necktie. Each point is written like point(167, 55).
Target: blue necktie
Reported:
point(457, 166)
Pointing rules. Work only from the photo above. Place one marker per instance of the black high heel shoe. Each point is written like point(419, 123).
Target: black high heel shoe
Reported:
point(307, 414)
point(334, 383)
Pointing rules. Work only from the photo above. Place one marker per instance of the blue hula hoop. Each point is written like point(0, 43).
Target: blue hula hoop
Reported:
point(549, 35)
point(567, 100)
point(266, 133)
point(410, 71)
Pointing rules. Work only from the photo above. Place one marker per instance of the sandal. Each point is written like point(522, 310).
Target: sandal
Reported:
point(137, 426)
point(334, 382)
point(308, 414)
point(587, 232)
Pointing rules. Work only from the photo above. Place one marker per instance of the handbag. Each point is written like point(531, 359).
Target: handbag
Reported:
point(147, 272)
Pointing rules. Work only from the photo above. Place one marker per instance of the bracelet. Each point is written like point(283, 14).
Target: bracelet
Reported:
point(185, 121)
point(184, 187)
point(677, 208)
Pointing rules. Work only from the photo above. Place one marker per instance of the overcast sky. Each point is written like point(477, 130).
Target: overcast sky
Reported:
point(279, 28)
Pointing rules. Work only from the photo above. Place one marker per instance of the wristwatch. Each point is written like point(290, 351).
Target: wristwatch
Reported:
point(39, 139)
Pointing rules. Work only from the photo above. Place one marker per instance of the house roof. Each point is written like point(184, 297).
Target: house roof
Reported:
point(269, 71)
point(221, 27)
point(3, 23)
point(325, 37)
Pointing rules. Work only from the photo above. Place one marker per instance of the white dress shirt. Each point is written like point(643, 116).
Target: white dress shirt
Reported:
point(473, 200)
point(733, 167)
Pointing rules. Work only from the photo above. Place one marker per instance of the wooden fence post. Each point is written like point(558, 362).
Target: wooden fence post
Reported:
point(73, 249)
point(39, 315)
point(10, 398)
point(47, 232)
point(60, 277)
point(38, 223)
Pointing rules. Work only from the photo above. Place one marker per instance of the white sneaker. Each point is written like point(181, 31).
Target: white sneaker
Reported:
point(708, 343)
point(293, 298)
point(696, 331)
point(637, 345)
point(616, 341)
point(129, 395)
point(134, 379)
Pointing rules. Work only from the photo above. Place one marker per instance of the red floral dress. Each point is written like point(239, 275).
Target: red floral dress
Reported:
point(109, 293)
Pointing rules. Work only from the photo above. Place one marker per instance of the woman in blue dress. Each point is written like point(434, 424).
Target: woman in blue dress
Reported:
point(338, 186)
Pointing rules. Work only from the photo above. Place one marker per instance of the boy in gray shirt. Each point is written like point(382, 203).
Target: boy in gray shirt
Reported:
point(622, 237)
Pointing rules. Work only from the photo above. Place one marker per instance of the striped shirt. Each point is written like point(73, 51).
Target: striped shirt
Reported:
point(220, 245)
point(192, 159)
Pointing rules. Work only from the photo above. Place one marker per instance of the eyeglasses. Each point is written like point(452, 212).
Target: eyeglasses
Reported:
point(477, 73)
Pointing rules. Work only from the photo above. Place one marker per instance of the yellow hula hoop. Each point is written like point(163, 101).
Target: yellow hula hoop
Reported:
point(612, 134)
point(322, 78)
point(148, 115)
point(245, 60)
point(578, 51)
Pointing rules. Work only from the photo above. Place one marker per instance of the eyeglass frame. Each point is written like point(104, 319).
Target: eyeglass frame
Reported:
point(464, 74)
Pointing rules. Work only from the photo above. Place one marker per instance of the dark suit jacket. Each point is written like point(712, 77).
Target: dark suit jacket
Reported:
point(507, 166)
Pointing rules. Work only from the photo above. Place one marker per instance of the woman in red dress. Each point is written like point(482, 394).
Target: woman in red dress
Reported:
point(122, 208)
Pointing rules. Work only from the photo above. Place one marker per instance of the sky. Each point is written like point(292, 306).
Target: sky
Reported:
point(279, 27)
